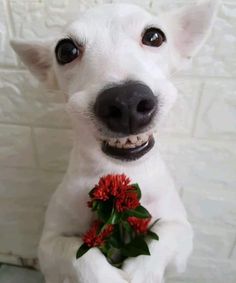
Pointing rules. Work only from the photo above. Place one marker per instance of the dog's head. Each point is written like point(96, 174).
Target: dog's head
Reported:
point(114, 63)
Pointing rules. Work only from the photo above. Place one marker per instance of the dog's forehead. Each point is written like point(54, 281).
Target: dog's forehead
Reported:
point(114, 11)
point(104, 15)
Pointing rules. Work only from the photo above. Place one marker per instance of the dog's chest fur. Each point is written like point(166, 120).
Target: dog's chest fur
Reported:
point(150, 174)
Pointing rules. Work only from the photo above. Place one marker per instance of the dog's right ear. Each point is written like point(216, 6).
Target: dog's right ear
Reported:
point(189, 27)
point(36, 55)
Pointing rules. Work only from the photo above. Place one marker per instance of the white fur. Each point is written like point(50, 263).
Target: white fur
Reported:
point(114, 53)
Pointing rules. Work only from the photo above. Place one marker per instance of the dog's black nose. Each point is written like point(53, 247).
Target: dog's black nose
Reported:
point(126, 108)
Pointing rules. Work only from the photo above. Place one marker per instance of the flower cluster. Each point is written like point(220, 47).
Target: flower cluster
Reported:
point(96, 238)
point(139, 225)
point(111, 185)
point(117, 187)
point(122, 224)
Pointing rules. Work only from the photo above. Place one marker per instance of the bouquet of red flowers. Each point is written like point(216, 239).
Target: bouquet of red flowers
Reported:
point(121, 229)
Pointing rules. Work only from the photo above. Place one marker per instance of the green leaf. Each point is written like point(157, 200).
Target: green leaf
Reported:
point(114, 242)
point(154, 223)
point(139, 212)
point(114, 218)
point(127, 227)
point(153, 235)
point(115, 256)
point(82, 250)
point(138, 190)
point(104, 248)
point(104, 210)
point(137, 247)
point(91, 192)
point(127, 233)
point(95, 205)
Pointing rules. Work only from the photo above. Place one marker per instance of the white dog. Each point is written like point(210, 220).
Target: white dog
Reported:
point(114, 65)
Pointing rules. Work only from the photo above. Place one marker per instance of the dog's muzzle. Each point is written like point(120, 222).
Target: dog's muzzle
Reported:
point(127, 110)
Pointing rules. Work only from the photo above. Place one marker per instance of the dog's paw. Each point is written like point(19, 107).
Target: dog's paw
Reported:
point(143, 270)
point(93, 267)
point(144, 278)
point(102, 275)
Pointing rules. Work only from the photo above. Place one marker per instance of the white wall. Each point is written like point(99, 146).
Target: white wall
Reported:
point(198, 141)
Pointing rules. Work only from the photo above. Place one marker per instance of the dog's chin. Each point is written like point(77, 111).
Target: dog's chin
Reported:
point(130, 148)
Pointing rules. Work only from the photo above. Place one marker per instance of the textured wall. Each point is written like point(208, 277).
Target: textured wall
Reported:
point(198, 141)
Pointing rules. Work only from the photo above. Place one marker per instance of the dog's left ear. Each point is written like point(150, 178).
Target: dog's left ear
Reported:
point(190, 26)
point(36, 55)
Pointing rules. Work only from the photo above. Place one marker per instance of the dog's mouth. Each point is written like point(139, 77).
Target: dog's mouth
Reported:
point(130, 148)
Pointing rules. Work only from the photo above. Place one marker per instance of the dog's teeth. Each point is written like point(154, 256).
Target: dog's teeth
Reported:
point(123, 141)
point(119, 145)
point(112, 142)
point(140, 142)
point(132, 145)
point(141, 137)
point(129, 142)
point(145, 138)
point(133, 139)
point(129, 145)
point(126, 145)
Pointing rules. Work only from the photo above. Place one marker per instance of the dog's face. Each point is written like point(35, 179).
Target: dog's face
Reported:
point(114, 64)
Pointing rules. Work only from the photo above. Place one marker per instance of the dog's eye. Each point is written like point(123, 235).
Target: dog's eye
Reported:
point(66, 51)
point(153, 37)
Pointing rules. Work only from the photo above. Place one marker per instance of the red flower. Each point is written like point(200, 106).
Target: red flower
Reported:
point(106, 232)
point(140, 225)
point(93, 238)
point(111, 186)
point(101, 190)
point(127, 201)
point(120, 185)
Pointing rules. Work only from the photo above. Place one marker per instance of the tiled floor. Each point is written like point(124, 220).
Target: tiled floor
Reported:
point(11, 274)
